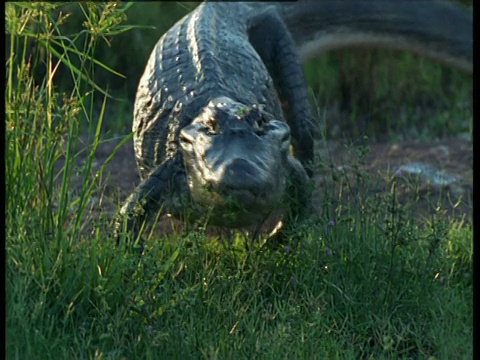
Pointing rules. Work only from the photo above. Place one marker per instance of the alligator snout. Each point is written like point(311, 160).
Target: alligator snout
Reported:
point(240, 174)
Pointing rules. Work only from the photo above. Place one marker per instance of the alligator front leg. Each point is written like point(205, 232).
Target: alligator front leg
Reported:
point(163, 190)
point(298, 201)
point(299, 192)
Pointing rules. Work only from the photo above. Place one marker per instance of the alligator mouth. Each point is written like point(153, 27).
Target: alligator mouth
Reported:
point(238, 205)
point(241, 207)
point(246, 191)
point(246, 200)
point(243, 197)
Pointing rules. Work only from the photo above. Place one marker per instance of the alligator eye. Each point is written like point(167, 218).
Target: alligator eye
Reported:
point(211, 126)
point(278, 129)
point(185, 139)
point(186, 142)
point(286, 137)
point(259, 126)
point(210, 131)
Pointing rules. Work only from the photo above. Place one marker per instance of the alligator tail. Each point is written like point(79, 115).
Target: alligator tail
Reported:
point(439, 30)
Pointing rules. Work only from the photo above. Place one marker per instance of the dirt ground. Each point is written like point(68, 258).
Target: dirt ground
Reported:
point(447, 174)
point(431, 173)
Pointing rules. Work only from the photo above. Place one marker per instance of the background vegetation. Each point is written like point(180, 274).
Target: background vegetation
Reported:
point(384, 94)
point(362, 280)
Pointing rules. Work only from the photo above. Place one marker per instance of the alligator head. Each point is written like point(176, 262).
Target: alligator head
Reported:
point(237, 160)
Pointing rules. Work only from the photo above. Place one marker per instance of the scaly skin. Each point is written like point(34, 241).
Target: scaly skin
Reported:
point(211, 139)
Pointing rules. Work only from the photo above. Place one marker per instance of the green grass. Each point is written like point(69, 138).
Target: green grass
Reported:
point(389, 96)
point(364, 280)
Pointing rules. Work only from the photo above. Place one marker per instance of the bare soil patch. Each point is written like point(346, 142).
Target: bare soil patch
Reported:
point(434, 173)
point(452, 157)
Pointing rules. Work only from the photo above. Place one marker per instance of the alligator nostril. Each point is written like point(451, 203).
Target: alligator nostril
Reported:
point(240, 167)
point(241, 174)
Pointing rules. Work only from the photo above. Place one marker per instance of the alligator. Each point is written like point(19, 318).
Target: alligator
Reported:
point(223, 129)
